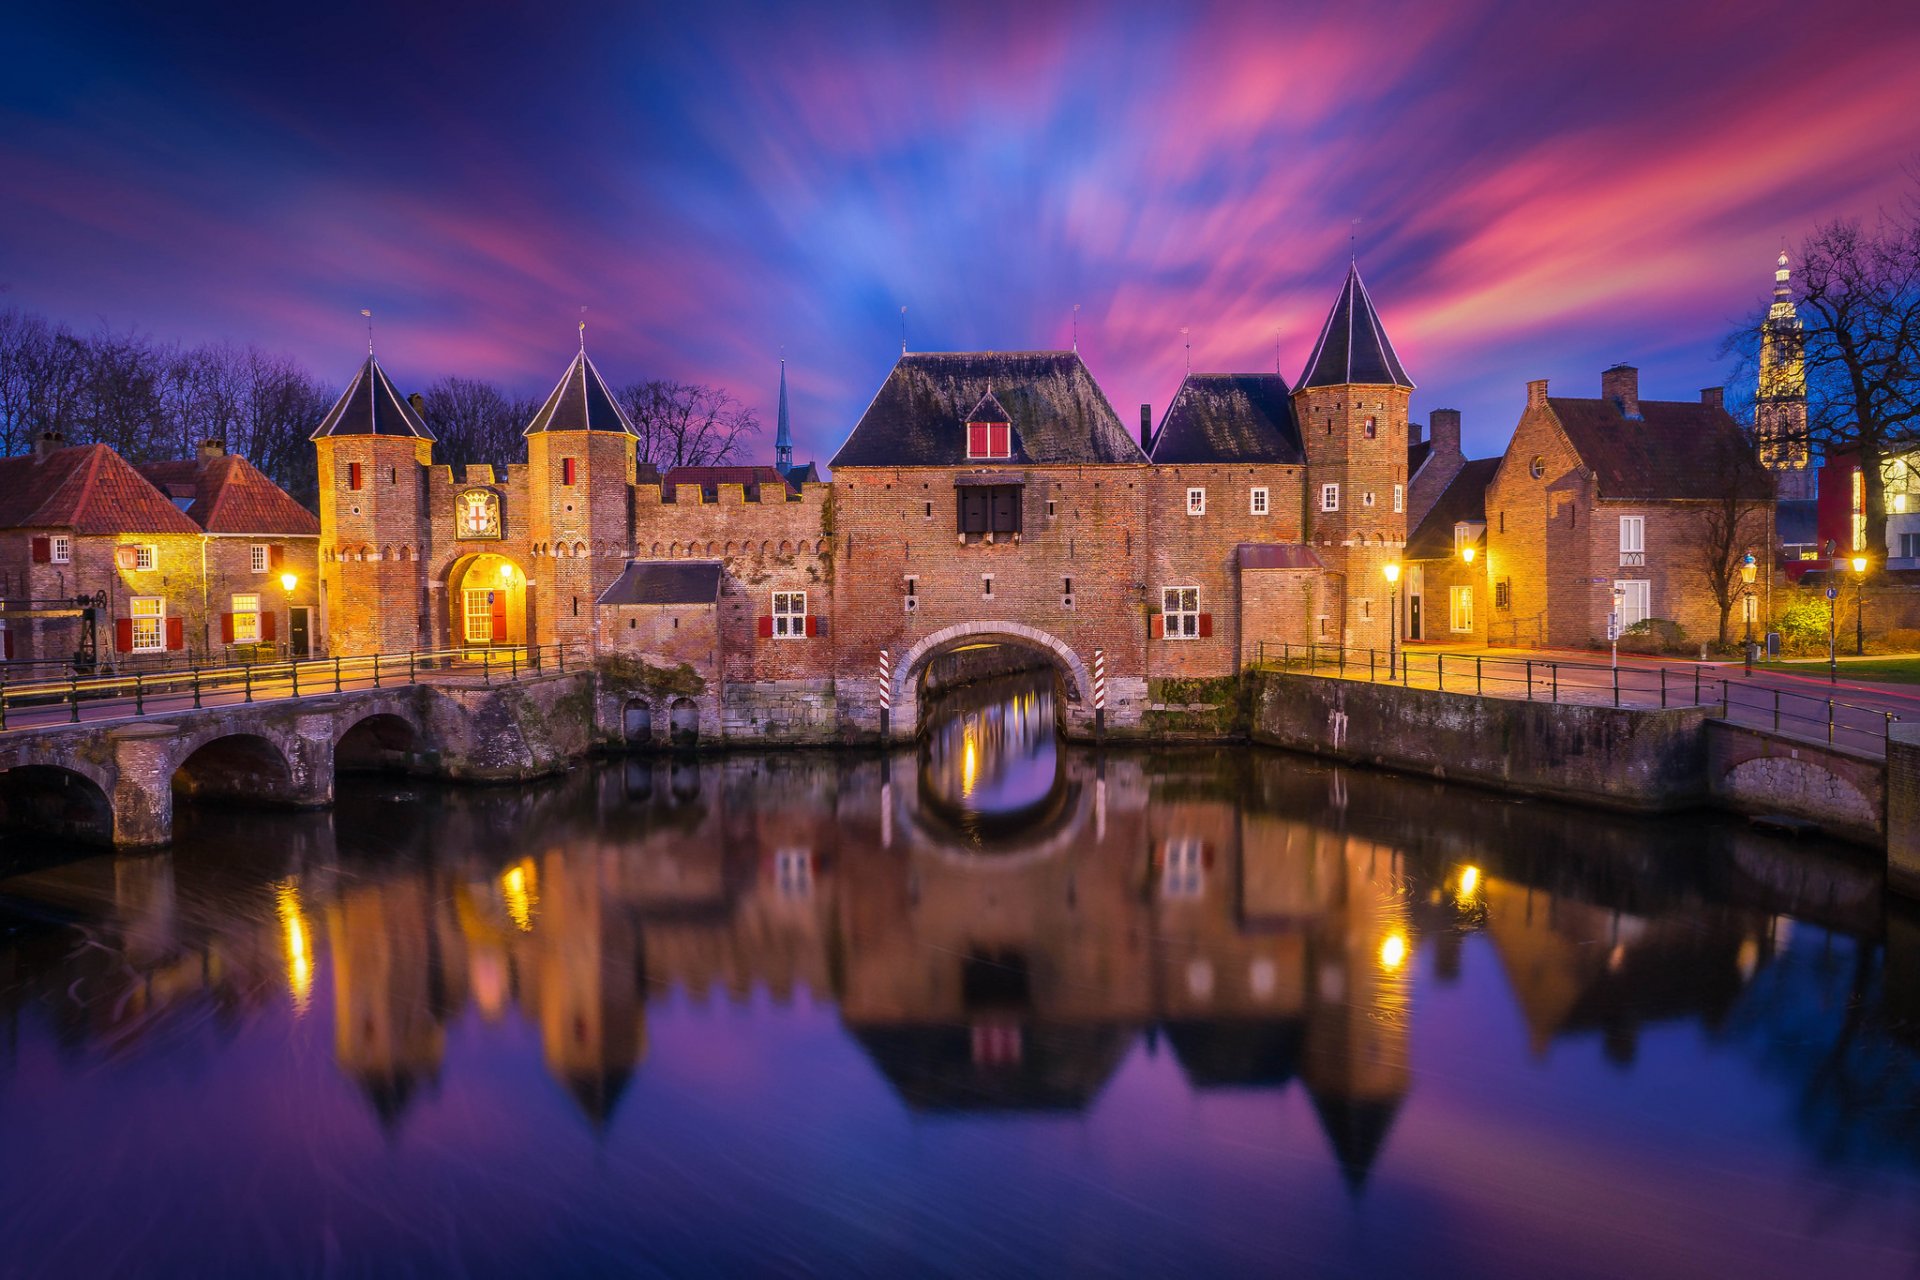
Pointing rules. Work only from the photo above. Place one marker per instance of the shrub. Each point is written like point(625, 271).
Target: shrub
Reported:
point(1803, 626)
point(1901, 640)
point(1654, 635)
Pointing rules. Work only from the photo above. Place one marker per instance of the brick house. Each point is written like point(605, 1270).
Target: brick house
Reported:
point(1447, 592)
point(1614, 492)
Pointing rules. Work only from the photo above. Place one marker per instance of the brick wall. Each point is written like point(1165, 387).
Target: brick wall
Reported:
point(1366, 532)
point(372, 540)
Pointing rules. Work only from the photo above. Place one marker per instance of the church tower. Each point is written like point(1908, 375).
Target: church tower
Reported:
point(783, 436)
point(1780, 410)
point(1351, 403)
point(374, 453)
point(580, 473)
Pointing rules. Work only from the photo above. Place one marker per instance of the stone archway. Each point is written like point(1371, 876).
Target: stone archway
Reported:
point(909, 665)
point(489, 602)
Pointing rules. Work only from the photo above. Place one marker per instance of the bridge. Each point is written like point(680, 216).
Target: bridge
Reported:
point(105, 760)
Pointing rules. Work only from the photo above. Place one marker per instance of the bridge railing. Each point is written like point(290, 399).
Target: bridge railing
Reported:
point(1785, 711)
point(37, 703)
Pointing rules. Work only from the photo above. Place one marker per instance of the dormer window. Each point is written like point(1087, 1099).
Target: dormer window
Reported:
point(989, 440)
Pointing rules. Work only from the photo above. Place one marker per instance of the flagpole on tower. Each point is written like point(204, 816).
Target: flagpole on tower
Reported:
point(1076, 328)
point(903, 331)
point(368, 313)
point(583, 331)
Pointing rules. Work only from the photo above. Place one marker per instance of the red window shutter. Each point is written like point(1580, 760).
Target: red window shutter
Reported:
point(266, 624)
point(126, 557)
point(566, 471)
point(976, 441)
point(813, 625)
point(766, 626)
point(1206, 625)
point(1000, 446)
point(42, 550)
point(353, 475)
point(226, 628)
point(276, 554)
point(176, 633)
point(123, 635)
point(1157, 627)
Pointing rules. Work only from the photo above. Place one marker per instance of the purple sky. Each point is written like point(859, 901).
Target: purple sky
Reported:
point(1540, 191)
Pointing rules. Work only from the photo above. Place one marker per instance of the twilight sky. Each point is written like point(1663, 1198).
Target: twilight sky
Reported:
point(1541, 189)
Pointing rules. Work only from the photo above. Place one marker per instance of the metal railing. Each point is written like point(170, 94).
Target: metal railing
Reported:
point(1595, 683)
point(40, 703)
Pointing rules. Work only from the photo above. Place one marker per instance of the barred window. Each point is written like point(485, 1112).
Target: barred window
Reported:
point(789, 615)
point(149, 615)
point(1180, 608)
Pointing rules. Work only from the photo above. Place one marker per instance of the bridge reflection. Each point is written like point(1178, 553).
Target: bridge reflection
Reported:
point(1265, 921)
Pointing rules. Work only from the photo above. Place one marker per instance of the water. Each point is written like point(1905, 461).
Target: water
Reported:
point(999, 1009)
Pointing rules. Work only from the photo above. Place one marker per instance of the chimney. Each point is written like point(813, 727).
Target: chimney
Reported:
point(211, 449)
point(1414, 431)
point(1713, 397)
point(1445, 424)
point(419, 403)
point(1537, 394)
point(1621, 384)
point(1146, 427)
point(46, 443)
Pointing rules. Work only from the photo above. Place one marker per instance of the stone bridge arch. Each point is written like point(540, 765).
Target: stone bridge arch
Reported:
point(910, 665)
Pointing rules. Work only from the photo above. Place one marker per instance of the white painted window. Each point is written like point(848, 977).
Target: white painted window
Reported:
point(1399, 498)
point(1636, 601)
point(1461, 614)
point(1196, 502)
point(789, 615)
point(62, 549)
point(262, 557)
point(478, 615)
point(246, 619)
point(1633, 534)
point(1257, 500)
point(1183, 868)
point(149, 615)
point(1329, 497)
point(1180, 609)
point(145, 557)
point(793, 873)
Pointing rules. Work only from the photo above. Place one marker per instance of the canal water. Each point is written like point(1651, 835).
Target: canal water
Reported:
point(1000, 1007)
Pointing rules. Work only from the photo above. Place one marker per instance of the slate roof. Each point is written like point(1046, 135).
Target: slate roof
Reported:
point(228, 494)
point(918, 417)
point(1353, 345)
point(665, 582)
point(1238, 1052)
point(1417, 455)
point(1062, 1066)
point(89, 489)
point(371, 407)
point(580, 402)
point(1464, 499)
point(1229, 417)
point(711, 478)
point(1357, 1129)
point(1278, 555)
point(1676, 449)
point(989, 410)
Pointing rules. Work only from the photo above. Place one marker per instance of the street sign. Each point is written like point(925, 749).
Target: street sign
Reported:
point(1613, 627)
point(1832, 592)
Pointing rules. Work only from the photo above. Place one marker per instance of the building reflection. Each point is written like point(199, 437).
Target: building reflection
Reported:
point(1219, 907)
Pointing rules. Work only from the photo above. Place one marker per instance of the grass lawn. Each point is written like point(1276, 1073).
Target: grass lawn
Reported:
point(1891, 670)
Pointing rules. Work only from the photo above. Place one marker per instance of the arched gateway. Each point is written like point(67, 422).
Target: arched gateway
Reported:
point(908, 668)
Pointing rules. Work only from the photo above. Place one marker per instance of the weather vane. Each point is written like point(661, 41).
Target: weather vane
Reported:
point(368, 313)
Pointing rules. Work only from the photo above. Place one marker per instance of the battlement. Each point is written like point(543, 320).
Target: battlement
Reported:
point(812, 497)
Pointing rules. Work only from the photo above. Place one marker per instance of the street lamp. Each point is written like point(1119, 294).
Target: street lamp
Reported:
point(1392, 570)
point(1748, 568)
point(1859, 606)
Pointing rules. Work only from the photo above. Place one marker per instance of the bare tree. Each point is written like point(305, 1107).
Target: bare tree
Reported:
point(1733, 524)
point(475, 421)
point(688, 424)
point(43, 376)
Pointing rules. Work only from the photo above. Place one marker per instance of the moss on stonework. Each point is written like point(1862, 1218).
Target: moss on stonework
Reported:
point(637, 673)
point(1198, 707)
point(1215, 690)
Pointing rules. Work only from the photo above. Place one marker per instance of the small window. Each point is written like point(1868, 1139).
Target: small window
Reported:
point(262, 557)
point(986, 586)
point(1399, 498)
point(1633, 534)
point(1329, 497)
point(1538, 467)
point(1461, 614)
point(1503, 594)
point(989, 509)
point(913, 586)
point(929, 507)
point(246, 619)
point(145, 557)
point(566, 471)
point(1196, 502)
point(1257, 500)
point(1180, 612)
point(789, 615)
point(1366, 610)
point(149, 614)
point(1051, 509)
point(1373, 428)
point(353, 476)
point(1366, 499)
point(62, 552)
point(1460, 531)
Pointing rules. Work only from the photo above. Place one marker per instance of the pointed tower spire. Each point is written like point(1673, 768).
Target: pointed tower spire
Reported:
point(783, 434)
point(1353, 346)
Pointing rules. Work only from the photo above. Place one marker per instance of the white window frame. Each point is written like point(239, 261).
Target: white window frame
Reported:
point(1180, 613)
point(1196, 502)
point(1460, 609)
point(149, 614)
point(60, 549)
point(262, 557)
point(1329, 497)
point(1632, 588)
point(1259, 503)
point(1399, 499)
point(483, 634)
point(146, 557)
point(789, 615)
point(1183, 868)
point(1633, 534)
point(246, 618)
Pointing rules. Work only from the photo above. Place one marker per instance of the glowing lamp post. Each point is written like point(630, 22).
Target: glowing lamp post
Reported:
point(1859, 606)
point(1748, 568)
point(1392, 570)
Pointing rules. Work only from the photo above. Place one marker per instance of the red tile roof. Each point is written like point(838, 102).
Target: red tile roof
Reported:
point(709, 478)
point(231, 495)
point(1675, 449)
point(89, 489)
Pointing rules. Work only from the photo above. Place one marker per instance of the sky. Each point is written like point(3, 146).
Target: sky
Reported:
point(1531, 190)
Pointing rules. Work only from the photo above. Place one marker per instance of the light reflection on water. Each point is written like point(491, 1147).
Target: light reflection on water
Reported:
point(1191, 1012)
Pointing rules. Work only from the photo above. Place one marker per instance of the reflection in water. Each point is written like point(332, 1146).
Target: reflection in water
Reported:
point(990, 761)
point(702, 1016)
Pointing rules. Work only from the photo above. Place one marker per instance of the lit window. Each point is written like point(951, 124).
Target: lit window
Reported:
point(1257, 501)
point(1461, 614)
point(1636, 601)
point(1183, 869)
point(62, 548)
point(1399, 498)
point(789, 615)
point(478, 614)
point(1196, 502)
point(1329, 497)
point(149, 614)
point(262, 559)
point(246, 619)
point(145, 557)
point(989, 440)
point(1180, 610)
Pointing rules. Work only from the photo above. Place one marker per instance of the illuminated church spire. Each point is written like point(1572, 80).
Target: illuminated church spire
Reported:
point(783, 435)
point(1780, 409)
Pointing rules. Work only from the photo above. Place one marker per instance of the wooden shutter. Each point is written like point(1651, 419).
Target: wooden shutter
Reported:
point(353, 475)
point(813, 624)
point(276, 556)
point(267, 619)
point(999, 436)
point(1206, 625)
point(766, 626)
point(42, 550)
point(976, 440)
point(226, 628)
point(123, 635)
point(176, 633)
point(498, 599)
point(126, 557)
point(1006, 508)
point(566, 471)
point(1157, 626)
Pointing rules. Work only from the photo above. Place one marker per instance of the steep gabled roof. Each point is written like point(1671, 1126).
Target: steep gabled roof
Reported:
point(989, 410)
point(89, 489)
point(371, 407)
point(1229, 417)
point(665, 582)
point(1465, 498)
point(1353, 346)
point(1675, 449)
point(918, 417)
point(228, 494)
point(581, 402)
